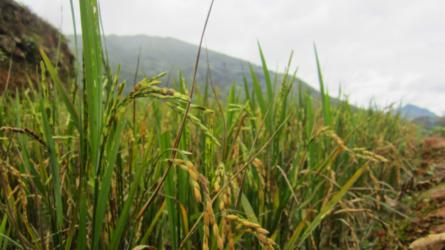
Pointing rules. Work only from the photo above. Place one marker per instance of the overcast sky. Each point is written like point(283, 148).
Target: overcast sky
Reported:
point(383, 50)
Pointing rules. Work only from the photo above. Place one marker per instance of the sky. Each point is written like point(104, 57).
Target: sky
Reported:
point(375, 51)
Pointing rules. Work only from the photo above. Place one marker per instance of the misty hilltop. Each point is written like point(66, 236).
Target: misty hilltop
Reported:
point(412, 112)
point(421, 116)
point(165, 54)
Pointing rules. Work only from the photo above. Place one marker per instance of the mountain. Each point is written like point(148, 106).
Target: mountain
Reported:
point(421, 116)
point(165, 54)
point(413, 112)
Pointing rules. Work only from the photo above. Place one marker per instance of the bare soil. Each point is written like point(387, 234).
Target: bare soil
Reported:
point(425, 198)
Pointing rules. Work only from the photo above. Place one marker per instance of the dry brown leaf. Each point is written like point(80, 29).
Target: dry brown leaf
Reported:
point(428, 241)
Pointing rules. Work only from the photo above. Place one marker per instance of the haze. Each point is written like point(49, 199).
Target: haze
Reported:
point(386, 51)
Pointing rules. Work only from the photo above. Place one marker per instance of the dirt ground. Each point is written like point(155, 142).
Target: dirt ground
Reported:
point(425, 197)
point(22, 34)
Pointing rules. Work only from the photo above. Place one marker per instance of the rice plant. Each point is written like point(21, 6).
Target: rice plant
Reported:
point(269, 166)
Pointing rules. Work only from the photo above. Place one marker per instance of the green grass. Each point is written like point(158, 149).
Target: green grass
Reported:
point(78, 171)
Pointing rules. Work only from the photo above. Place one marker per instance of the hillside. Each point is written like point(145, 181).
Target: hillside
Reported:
point(22, 33)
point(412, 112)
point(421, 116)
point(171, 55)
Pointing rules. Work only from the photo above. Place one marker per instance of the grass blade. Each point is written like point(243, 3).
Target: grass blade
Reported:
point(112, 151)
point(327, 208)
point(325, 99)
point(54, 164)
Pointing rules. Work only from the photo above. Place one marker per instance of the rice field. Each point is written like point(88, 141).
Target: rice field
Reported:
point(85, 165)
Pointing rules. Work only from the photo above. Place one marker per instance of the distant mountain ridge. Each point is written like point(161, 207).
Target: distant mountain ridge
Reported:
point(165, 54)
point(412, 112)
point(421, 116)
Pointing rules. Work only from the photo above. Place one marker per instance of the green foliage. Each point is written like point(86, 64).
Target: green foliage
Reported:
point(440, 131)
point(265, 169)
point(3, 56)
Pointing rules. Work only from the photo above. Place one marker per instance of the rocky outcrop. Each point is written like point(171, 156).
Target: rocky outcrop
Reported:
point(22, 33)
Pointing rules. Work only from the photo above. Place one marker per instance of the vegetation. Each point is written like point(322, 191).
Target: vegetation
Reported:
point(95, 168)
point(159, 54)
point(2, 55)
point(22, 34)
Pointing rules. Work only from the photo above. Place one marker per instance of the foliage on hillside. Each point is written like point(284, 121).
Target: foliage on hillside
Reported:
point(21, 35)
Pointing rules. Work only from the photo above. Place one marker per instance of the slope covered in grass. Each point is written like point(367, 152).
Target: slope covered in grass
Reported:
point(22, 33)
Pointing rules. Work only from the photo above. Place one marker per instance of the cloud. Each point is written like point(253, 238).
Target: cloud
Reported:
point(374, 49)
